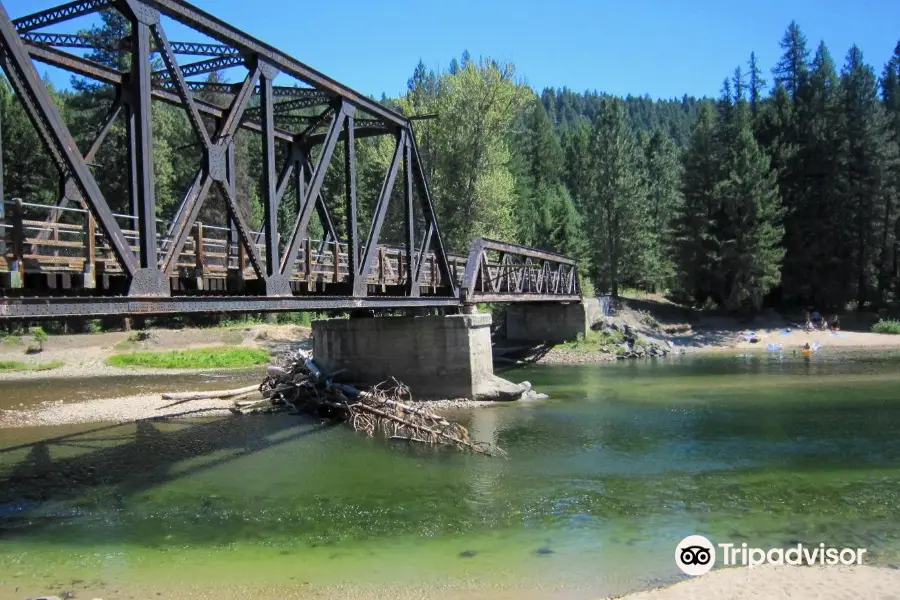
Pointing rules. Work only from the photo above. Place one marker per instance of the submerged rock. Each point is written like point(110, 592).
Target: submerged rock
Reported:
point(467, 553)
point(543, 551)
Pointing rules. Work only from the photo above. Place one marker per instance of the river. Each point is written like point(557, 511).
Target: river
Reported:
point(602, 481)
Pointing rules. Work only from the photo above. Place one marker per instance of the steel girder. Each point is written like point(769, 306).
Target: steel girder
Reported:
point(48, 122)
point(252, 105)
point(60, 13)
point(94, 307)
point(517, 273)
point(68, 40)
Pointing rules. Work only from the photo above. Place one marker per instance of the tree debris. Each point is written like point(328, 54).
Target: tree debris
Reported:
point(297, 384)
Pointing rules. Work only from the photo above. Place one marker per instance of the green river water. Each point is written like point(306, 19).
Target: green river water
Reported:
point(601, 483)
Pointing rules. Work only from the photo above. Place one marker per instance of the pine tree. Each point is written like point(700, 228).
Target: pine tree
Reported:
point(662, 180)
point(694, 248)
point(781, 134)
point(812, 227)
point(748, 227)
point(579, 174)
point(566, 231)
point(756, 85)
point(740, 87)
point(792, 69)
point(28, 172)
point(610, 211)
point(862, 176)
point(890, 252)
point(537, 163)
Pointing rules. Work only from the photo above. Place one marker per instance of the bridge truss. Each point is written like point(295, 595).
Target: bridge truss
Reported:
point(80, 258)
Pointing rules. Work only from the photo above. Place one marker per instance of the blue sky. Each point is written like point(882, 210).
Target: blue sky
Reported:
point(660, 48)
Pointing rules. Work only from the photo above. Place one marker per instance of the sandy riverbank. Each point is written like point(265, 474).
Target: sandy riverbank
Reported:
point(127, 409)
point(84, 355)
point(769, 582)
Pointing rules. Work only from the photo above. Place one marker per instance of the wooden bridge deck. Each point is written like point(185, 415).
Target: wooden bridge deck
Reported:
point(67, 268)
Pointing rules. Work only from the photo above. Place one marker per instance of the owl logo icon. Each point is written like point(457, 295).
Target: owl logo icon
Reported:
point(695, 555)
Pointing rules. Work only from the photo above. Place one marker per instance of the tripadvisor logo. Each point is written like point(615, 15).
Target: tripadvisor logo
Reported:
point(696, 555)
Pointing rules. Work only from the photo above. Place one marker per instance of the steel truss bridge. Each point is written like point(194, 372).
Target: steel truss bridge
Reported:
point(78, 258)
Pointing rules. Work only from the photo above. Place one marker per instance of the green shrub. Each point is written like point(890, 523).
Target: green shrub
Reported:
point(11, 339)
point(887, 326)
point(645, 318)
point(39, 336)
point(595, 341)
point(200, 358)
point(301, 319)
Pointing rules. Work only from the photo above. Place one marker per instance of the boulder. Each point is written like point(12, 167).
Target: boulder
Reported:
point(497, 389)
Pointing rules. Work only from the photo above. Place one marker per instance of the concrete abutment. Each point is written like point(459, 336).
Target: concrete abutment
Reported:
point(436, 356)
point(550, 322)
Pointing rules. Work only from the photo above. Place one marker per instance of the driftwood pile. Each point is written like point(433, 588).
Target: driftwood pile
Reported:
point(297, 385)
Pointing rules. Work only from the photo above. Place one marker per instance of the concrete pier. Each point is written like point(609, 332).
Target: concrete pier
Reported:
point(554, 323)
point(436, 356)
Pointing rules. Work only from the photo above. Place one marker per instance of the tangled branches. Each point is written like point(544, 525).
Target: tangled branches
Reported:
point(298, 383)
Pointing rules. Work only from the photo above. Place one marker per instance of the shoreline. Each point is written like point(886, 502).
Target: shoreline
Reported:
point(138, 407)
point(780, 581)
point(85, 356)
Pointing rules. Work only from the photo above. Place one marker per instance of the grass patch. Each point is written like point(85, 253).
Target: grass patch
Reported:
point(14, 365)
point(595, 341)
point(200, 358)
point(887, 326)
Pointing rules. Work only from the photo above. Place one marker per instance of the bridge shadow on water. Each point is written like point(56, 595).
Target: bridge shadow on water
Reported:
point(127, 459)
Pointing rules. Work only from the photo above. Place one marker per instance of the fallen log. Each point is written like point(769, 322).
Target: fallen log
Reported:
point(224, 394)
point(298, 385)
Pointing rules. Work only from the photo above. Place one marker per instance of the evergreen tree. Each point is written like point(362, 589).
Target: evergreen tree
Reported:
point(694, 247)
point(862, 175)
point(756, 85)
point(579, 175)
point(812, 227)
point(28, 172)
point(566, 227)
point(662, 180)
point(611, 209)
point(537, 163)
point(792, 69)
point(890, 253)
point(740, 87)
point(748, 230)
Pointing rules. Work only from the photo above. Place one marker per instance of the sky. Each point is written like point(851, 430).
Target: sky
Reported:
point(660, 48)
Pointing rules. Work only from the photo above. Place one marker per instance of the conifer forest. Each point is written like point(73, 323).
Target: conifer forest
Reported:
point(783, 191)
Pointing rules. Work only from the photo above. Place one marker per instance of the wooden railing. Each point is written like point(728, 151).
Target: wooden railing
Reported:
point(32, 242)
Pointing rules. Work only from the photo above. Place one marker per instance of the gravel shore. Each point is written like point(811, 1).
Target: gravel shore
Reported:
point(127, 409)
point(559, 356)
point(111, 410)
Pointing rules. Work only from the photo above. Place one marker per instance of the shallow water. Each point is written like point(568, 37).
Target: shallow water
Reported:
point(601, 483)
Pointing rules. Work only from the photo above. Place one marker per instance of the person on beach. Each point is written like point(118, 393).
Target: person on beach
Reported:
point(817, 320)
point(835, 323)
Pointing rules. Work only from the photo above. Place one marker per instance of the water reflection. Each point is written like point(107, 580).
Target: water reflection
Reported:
point(621, 457)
